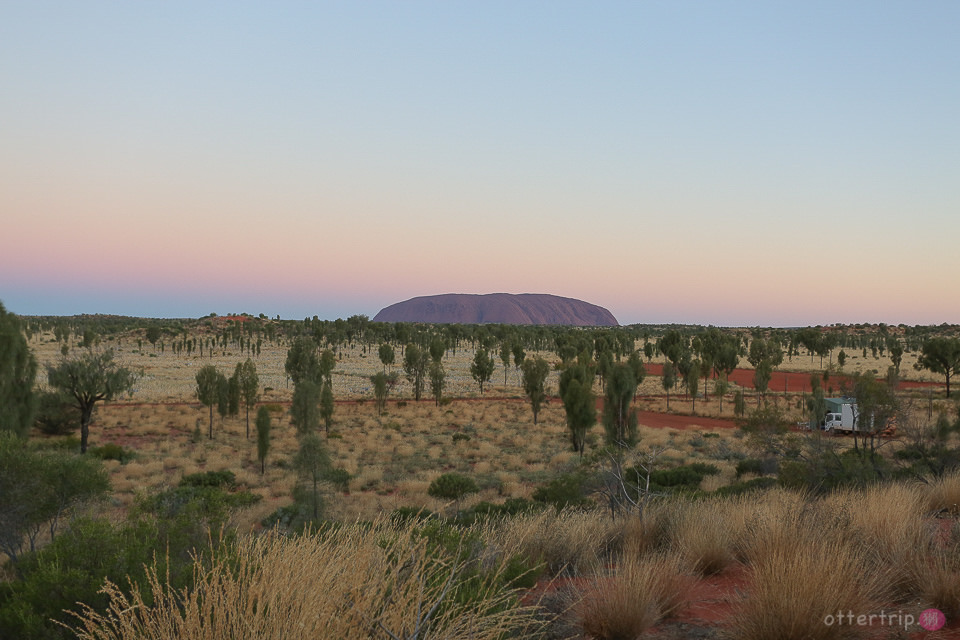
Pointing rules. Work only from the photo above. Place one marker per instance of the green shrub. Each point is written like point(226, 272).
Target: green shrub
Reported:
point(223, 479)
point(111, 451)
point(567, 490)
point(452, 486)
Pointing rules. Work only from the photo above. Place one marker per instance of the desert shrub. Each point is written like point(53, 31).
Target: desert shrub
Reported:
point(461, 437)
point(565, 491)
point(112, 451)
point(402, 515)
point(757, 466)
point(829, 471)
point(224, 479)
point(682, 478)
point(452, 486)
point(56, 414)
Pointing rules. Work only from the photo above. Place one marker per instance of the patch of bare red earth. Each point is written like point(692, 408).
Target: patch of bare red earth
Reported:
point(794, 381)
point(712, 607)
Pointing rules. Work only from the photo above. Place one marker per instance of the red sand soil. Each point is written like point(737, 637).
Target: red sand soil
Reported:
point(793, 381)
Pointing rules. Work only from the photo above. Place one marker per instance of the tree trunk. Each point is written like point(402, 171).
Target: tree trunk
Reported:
point(211, 421)
point(86, 417)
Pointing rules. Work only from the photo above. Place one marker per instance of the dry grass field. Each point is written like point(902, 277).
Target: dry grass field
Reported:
point(391, 458)
point(685, 570)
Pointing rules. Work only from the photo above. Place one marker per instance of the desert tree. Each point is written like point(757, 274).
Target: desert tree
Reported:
point(765, 356)
point(224, 397)
point(249, 381)
point(519, 355)
point(312, 463)
point(379, 382)
point(18, 371)
point(328, 361)
point(387, 355)
point(415, 366)
point(940, 355)
point(438, 378)
point(438, 347)
point(305, 406)
point(505, 353)
point(263, 437)
point(327, 407)
point(693, 382)
point(534, 372)
point(668, 379)
point(619, 418)
point(636, 365)
point(38, 489)
point(482, 367)
point(208, 389)
point(302, 362)
point(579, 403)
point(88, 379)
point(895, 348)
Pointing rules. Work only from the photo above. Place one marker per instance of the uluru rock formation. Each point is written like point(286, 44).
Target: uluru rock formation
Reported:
point(498, 308)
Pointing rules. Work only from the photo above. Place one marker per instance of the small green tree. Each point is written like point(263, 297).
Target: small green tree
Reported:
point(668, 379)
point(505, 353)
point(263, 437)
point(302, 362)
point(438, 379)
point(327, 407)
point(379, 391)
point(579, 403)
point(534, 374)
point(208, 389)
point(387, 355)
point(693, 383)
point(305, 407)
point(438, 347)
point(415, 366)
point(18, 371)
point(940, 355)
point(482, 367)
point(246, 374)
point(312, 463)
point(619, 418)
point(88, 379)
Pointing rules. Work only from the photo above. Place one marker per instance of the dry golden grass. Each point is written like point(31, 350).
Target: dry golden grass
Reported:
point(797, 589)
point(351, 583)
point(638, 594)
point(944, 495)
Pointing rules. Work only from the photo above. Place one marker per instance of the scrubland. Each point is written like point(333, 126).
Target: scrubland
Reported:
point(772, 563)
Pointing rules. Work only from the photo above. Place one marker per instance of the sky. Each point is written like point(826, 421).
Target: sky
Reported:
point(729, 163)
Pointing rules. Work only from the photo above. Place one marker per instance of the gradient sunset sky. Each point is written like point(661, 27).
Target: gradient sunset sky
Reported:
point(729, 163)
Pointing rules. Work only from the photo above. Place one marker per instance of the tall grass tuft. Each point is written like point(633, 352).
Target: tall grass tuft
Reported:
point(350, 583)
point(642, 591)
point(796, 589)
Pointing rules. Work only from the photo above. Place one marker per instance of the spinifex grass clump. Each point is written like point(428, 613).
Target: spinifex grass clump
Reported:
point(348, 583)
point(638, 593)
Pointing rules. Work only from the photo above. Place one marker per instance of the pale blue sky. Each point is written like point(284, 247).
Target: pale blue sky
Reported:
point(708, 162)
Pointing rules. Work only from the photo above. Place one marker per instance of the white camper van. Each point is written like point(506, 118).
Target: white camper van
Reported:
point(842, 415)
